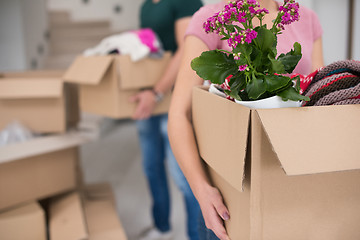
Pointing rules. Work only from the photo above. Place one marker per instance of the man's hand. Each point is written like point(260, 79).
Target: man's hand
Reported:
point(146, 102)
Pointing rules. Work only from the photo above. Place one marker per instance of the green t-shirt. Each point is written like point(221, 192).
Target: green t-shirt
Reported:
point(161, 18)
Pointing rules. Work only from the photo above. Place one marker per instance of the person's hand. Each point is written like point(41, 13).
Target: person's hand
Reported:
point(214, 211)
point(146, 103)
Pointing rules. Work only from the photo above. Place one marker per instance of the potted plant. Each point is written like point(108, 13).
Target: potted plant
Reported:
point(251, 70)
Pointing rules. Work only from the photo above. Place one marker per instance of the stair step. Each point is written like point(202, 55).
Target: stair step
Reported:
point(81, 34)
point(69, 39)
point(76, 47)
point(60, 61)
point(58, 17)
point(82, 25)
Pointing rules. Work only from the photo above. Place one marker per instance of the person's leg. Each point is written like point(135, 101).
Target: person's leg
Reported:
point(191, 204)
point(152, 147)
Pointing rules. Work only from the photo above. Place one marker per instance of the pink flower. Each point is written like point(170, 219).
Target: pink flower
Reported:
point(253, 3)
point(250, 35)
point(290, 12)
point(242, 67)
point(241, 17)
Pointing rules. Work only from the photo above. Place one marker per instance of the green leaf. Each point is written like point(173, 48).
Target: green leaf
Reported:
point(265, 38)
point(297, 49)
point(292, 58)
point(257, 58)
point(238, 83)
point(255, 88)
point(297, 85)
point(245, 49)
point(276, 82)
point(291, 94)
point(277, 66)
point(214, 66)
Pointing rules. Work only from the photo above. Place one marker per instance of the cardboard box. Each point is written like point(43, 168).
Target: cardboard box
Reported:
point(38, 168)
point(90, 214)
point(24, 222)
point(101, 215)
point(107, 82)
point(66, 218)
point(39, 100)
point(290, 173)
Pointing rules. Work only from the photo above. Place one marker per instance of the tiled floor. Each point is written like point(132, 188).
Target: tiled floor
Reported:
point(115, 157)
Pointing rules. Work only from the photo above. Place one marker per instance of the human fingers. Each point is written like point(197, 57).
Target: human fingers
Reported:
point(215, 223)
point(221, 208)
point(221, 213)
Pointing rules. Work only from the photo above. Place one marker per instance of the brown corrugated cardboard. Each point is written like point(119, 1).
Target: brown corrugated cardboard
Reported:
point(89, 214)
point(23, 222)
point(38, 100)
point(66, 218)
point(101, 215)
point(288, 173)
point(38, 168)
point(107, 82)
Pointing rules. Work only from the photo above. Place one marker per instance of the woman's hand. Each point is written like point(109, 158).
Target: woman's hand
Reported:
point(214, 211)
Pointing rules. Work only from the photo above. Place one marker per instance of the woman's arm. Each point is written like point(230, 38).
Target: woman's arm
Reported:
point(317, 55)
point(146, 99)
point(183, 142)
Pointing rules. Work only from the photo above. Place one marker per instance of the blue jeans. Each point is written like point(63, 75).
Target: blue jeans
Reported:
point(204, 232)
point(155, 147)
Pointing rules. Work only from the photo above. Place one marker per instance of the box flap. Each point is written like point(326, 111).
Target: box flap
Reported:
point(141, 74)
point(221, 129)
point(36, 88)
point(67, 218)
point(312, 140)
point(41, 145)
point(101, 215)
point(21, 211)
point(88, 70)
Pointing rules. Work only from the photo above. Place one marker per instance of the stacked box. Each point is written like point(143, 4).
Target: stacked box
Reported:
point(85, 215)
point(38, 168)
point(23, 222)
point(41, 101)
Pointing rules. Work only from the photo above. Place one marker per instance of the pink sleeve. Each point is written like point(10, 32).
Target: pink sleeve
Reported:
point(316, 26)
point(196, 29)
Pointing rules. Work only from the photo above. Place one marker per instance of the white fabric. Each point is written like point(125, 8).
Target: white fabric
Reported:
point(125, 43)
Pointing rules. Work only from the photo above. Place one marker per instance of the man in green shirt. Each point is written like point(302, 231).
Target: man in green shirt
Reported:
point(169, 20)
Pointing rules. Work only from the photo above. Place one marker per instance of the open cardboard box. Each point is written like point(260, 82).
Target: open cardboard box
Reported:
point(107, 82)
point(23, 222)
point(40, 100)
point(290, 173)
point(38, 168)
point(90, 214)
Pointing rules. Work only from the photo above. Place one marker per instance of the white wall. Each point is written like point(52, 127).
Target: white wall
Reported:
point(356, 42)
point(34, 16)
point(23, 24)
point(11, 36)
point(333, 16)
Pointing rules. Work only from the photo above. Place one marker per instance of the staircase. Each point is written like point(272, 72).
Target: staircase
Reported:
point(69, 39)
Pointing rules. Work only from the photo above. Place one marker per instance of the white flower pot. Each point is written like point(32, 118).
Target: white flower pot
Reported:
point(271, 102)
